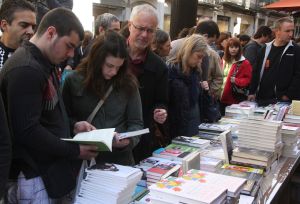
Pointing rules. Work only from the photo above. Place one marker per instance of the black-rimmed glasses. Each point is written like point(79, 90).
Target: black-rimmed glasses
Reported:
point(144, 29)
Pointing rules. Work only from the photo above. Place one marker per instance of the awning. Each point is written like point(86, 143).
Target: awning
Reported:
point(284, 5)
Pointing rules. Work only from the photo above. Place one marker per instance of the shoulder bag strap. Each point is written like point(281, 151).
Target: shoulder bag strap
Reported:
point(238, 64)
point(98, 106)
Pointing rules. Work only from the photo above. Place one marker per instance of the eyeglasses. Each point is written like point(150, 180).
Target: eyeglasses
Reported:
point(144, 29)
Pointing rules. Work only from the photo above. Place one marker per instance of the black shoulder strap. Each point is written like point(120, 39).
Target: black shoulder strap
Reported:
point(238, 64)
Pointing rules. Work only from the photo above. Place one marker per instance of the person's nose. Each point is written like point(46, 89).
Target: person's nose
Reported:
point(71, 53)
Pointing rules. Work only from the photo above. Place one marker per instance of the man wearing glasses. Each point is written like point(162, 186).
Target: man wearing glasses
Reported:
point(152, 74)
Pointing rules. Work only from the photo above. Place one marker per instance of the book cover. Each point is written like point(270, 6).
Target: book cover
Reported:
point(161, 168)
point(103, 138)
point(252, 153)
point(174, 151)
point(191, 141)
point(233, 184)
point(187, 189)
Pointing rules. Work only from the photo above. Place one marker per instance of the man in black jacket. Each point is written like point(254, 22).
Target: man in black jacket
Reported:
point(36, 113)
point(277, 75)
point(151, 72)
point(5, 149)
point(262, 36)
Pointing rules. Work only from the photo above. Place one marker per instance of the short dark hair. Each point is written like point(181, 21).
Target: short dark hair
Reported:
point(64, 20)
point(9, 7)
point(244, 37)
point(208, 27)
point(113, 44)
point(263, 31)
point(233, 42)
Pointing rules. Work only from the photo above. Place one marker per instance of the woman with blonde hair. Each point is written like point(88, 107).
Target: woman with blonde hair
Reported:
point(184, 87)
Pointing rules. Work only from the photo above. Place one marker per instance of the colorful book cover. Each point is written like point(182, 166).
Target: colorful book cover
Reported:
point(174, 151)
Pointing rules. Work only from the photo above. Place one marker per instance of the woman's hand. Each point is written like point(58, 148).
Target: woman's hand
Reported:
point(120, 143)
point(83, 126)
point(204, 85)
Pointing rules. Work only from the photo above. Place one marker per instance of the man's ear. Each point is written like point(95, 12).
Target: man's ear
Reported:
point(101, 29)
point(3, 25)
point(51, 32)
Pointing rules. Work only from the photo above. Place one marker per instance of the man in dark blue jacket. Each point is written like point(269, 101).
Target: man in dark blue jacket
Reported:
point(277, 75)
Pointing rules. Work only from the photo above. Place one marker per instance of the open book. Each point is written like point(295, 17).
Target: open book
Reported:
point(103, 138)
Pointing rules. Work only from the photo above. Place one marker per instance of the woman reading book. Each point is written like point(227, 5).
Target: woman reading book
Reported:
point(103, 75)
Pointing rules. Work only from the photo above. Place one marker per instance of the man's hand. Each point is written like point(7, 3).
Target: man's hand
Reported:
point(88, 152)
point(251, 97)
point(160, 115)
point(83, 126)
point(120, 143)
point(285, 98)
point(204, 85)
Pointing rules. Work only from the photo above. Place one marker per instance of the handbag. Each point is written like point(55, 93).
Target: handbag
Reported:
point(210, 108)
point(239, 93)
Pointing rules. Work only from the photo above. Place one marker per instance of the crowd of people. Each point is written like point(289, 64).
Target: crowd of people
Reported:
point(125, 77)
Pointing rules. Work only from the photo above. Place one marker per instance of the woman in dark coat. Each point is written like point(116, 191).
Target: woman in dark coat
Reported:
point(106, 66)
point(184, 87)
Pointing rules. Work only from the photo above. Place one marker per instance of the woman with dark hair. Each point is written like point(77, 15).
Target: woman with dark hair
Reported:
point(237, 71)
point(184, 87)
point(161, 44)
point(221, 43)
point(105, 67)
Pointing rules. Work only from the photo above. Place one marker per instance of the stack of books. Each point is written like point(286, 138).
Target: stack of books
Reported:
point(209, 164)
point(260, 134)
point(191, 141)
point(241, 110)
point(155, 168)
point(290, 135)
point(176, 152)
point(196, 187)
point(254, 177)
point(253, 157)
point(293, 119)
point(108, 183)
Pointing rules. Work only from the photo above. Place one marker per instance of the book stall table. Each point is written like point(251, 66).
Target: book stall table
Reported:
point(275, 187)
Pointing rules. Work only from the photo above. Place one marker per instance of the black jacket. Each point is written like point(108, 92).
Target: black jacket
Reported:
point(287, 81)
point(154, 94)
point(5, 149)
point(36, 123)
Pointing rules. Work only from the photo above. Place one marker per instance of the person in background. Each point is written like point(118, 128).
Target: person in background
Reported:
point(42, 163)
point(262, 36)
point(184, 90)
point(43, 6)
point(161, 44)
point(103, 22)
point(152, 74)
point(244, 39)
point(183, 33)
point(221, 43)
point(105, 67)
point(237, 70)
point(277, 74)
point(18, 21)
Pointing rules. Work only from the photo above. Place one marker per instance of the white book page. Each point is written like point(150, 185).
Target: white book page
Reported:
point(133, 133)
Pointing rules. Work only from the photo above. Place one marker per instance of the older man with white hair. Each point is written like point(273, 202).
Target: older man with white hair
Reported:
point(151, 73)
